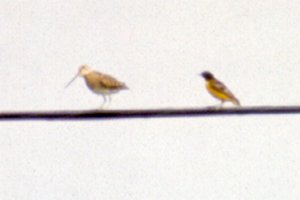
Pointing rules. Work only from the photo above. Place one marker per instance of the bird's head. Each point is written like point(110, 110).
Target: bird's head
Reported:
point(84, 70)
point(207, 75)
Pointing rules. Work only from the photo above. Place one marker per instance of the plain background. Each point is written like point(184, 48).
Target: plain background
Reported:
point(158, 48)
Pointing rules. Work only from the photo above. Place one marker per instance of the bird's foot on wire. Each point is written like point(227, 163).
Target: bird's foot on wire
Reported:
point(216, 107)
point(102, 107)
point(211, 107)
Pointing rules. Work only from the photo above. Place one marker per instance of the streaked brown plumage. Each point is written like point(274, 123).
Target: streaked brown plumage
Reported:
point(99, 83)
point(103, 83)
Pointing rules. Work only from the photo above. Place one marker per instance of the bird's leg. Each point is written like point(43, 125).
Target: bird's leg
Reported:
point(217, 106)
point(221, 105)
point(109, 98)
point(104, 101)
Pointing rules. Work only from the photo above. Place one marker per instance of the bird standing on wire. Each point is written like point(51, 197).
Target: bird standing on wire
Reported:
point(99, 83)
point(218, 89)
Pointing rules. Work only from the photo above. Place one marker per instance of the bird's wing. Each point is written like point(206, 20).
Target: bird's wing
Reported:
point(110, 82)
point(220, 87)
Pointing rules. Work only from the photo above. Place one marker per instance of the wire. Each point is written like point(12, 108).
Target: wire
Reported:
point(148, 113)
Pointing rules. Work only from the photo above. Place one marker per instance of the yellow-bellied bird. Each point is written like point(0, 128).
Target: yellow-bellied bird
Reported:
point(99, 83)
point(218, 89)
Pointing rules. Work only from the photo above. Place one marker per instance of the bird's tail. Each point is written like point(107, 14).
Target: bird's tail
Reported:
point(235, 101)
point(125, 87)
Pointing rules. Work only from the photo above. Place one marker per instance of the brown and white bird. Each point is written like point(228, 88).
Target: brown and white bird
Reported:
point(218, 89)
point(99, 83)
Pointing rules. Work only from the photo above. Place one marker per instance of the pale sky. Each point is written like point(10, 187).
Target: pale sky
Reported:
point(157, 48)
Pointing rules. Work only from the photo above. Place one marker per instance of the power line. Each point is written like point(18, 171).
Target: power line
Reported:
point(148, 113)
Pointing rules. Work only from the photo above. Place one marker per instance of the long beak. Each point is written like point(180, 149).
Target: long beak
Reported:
point(73, 79)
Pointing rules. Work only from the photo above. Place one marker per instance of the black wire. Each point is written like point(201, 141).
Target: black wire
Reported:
point(147, 113)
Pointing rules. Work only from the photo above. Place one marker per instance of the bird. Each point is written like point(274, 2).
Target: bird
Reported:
point(218, 89)
point(99, 83)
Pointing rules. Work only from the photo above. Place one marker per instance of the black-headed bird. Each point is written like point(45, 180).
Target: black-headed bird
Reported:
point(218, 89)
